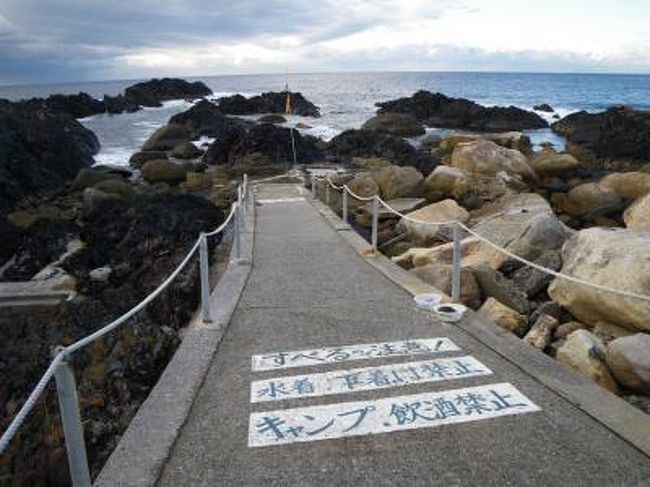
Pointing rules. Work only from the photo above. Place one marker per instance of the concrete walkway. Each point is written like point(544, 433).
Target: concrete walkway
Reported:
point(309, 289)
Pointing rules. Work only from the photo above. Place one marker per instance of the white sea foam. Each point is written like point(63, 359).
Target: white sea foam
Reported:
point(114, 156)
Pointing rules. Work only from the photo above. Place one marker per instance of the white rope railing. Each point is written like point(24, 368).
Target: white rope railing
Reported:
point(461, 225)
point(79, 473)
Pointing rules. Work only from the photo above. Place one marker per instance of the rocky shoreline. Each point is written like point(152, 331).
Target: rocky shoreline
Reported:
point(582, 212)
point(111, 234)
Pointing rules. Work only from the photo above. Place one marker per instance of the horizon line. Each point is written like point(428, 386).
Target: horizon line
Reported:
point(303, 73)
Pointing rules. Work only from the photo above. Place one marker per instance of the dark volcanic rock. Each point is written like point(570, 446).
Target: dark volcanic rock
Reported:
point(275, 143)
point(400, 124)
point(79, 106)
point(167, 137)
point(370, 143)
point(438, 110)
point(40, 150)
point(151, 93)
point(119, 104)
point(218, 152)
point(142, 241)
point(204, 118)
point(270, 141)
point(270, 102)
point(544, 107)
point(617, 132)
point(138, 159)
point(272, 118)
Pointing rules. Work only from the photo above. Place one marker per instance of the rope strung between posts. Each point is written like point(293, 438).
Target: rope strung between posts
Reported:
point(65, 352)
point(559, 275)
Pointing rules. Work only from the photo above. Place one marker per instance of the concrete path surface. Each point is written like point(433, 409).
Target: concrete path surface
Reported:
point(352, 385)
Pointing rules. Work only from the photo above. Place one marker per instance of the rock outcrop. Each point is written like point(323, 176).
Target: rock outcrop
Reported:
point(618, 132)
point(270, 102)
point(438, 110)
point(399, 124)
point(153, 92)
point(372, 144)
point(422, 234)
point(40, 150)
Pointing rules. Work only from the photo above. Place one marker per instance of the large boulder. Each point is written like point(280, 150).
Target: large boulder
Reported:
point(509, 140)
point(487, 158)
point(618, 132)
point(163, 172)
point(40, 150)
point(167, 137)
point(585, 353)
point(138, 159)
point(522, 223)
point(276, 144)
point(151, 93)
point(445, 180)
point(370, 143)
point(438, 110)
point(398, 182)
point(400, 124)
point(590, 200)
point(627, 185)
point(186, 150)
point(363, 185)
point(549, 163)
point(617, 258)
point(440, 276)
point(637, 216)
point(88, 177)
point(203, 118)
point(422, 234)
point(629, 361)
point(270, 102)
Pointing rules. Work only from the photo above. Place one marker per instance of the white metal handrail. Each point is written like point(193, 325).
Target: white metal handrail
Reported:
point(457, 226)
point(61, 369)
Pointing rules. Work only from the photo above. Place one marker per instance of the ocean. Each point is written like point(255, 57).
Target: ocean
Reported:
point(347, 99)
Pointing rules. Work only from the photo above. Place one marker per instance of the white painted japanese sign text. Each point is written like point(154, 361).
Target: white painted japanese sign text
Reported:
point(385, 415)
point(320, 356)
point(366, 379)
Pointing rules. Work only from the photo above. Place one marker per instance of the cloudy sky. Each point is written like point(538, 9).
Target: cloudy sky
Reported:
point(70, 40)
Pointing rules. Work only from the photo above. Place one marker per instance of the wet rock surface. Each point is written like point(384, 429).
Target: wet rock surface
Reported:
point(438, 110)
point(270, 102)
point(41, 151)
point(617, 132)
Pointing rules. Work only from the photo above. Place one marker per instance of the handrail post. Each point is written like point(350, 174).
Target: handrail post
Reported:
point(327, 193)
point(375, 222)
point(66, 389)
point(456, 265)
point(344, 205)
point(205, 278)
point(238, 231)
point(313, 187)
point(245, 191)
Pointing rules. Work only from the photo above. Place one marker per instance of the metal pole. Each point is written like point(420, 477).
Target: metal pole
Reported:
point(245, 191)
point(237, 233)
point(313, 187)
point(375, 222)
point(240, 206)
point(344, 205)
point(205, 280)
point(327, 193)
point(71, 418)
point(456, 269)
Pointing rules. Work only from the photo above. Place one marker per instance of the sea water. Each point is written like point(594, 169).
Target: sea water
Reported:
point(347, 100)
